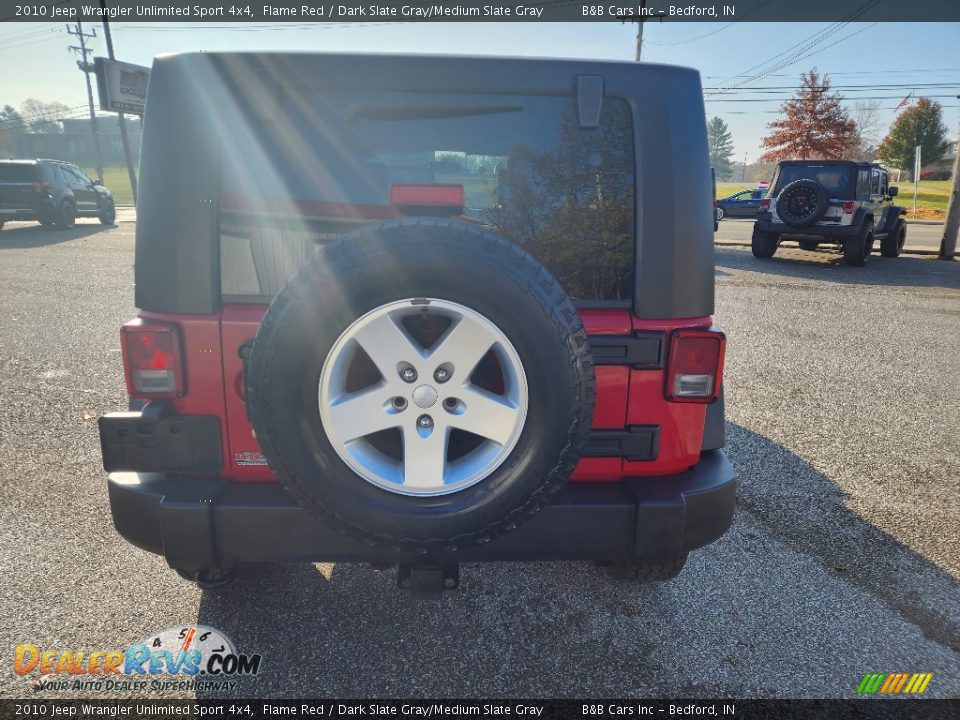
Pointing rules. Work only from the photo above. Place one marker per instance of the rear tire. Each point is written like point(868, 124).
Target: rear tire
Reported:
point(764, 244)
point(892, 245)
point(364, 275)
point(809, 245)
point(209, 578)
point(857, 248)
point(66, 216)
point(643, 574)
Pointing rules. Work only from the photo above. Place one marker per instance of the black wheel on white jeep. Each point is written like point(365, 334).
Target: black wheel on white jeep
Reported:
point(857, 248)
point(421, 385)
point(802, 203)
point(892, 245)
point(764, 244)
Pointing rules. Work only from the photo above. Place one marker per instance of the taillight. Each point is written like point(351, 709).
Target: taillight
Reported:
point(694, 365)
point(765, 204)
point(153, 361)
point(848, 207)
point(41, 187)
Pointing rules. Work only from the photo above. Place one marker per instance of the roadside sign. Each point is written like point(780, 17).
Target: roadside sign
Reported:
point(916, 178)
point(122, 86)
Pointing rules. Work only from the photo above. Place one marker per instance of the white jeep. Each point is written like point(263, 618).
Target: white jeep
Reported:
point(849, 204)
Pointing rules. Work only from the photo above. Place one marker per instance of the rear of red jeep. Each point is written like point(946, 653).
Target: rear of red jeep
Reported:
point(412, 310)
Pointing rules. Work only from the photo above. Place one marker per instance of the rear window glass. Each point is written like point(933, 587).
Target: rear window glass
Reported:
point(527, 169)
point(838, 180)
point(11, 173)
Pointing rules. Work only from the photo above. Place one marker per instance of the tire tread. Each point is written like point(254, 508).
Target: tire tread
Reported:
point(346, 252)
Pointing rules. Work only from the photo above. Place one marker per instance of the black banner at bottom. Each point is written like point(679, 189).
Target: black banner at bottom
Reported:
point(865, 709)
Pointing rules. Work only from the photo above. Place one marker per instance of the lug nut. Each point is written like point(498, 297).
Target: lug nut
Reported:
point(408, 374)
point(451, 403)
point(425, 421)
point(399, 403)
point(441, 375)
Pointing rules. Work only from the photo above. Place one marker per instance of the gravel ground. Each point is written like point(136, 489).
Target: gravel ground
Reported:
point(843, 408)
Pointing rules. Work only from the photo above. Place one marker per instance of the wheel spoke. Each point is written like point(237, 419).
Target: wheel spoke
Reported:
point(424, 457)
point(424, 406)
point(486, 415)
point(362, 413)
point(463, 345)
point(387, 344)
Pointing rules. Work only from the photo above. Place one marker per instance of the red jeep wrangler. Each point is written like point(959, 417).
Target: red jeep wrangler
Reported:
point(418, 311)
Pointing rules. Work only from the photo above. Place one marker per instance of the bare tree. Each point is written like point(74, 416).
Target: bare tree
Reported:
point(43, 117)
point(866, 114)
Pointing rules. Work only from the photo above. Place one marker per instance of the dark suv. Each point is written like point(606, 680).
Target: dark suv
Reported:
point(418, 311)
point(844, 203)
point(51, 192)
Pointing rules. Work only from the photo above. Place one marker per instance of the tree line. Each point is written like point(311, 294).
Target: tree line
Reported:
point(815, 124)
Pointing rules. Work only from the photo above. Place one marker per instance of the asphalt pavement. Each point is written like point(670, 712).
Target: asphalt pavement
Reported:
point(842, 404)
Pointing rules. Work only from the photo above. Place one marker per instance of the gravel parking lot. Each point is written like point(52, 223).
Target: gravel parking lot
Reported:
point(843, 404)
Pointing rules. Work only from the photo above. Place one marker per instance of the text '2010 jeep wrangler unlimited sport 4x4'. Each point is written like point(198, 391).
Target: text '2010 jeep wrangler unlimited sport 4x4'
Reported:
point(411, 310)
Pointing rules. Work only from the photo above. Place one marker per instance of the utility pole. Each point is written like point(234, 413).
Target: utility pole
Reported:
point(643, 7)
point(131, 171)
point(87, 68)
point(948, 245)
point(743, 171)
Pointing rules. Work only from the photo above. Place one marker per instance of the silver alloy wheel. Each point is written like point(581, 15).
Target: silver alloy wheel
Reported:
point(425, 412)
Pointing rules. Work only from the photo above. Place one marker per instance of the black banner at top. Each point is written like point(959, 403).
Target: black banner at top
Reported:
point(326, 11)
point(635, 709)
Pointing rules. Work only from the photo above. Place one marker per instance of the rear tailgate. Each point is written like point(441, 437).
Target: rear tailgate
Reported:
point(630, 406)
point(17, 186)
point(17, 196)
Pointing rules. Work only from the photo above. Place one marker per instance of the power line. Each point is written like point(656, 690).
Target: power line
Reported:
point(712, 32)
point(872, 97)
point(849, 88)
point(796, 52)
point(777, 112)
point(862, 72)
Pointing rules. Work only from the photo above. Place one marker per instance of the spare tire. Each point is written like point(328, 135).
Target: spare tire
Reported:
point(421, 385)
point(802, 203)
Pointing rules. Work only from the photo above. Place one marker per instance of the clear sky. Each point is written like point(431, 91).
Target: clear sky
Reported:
point(898, 57)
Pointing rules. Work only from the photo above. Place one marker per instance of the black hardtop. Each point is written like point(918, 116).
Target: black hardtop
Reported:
point(194, 99)
point(853, 164)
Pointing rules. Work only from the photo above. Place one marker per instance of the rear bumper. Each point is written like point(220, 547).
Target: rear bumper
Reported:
point(201, 522)
point(767, 225)
point(40, 210)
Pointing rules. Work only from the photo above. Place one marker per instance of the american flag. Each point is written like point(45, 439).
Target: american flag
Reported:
point(905, 101)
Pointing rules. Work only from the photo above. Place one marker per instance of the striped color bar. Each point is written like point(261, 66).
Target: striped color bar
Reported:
point(894, 683)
